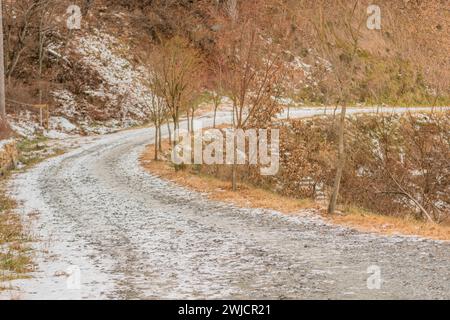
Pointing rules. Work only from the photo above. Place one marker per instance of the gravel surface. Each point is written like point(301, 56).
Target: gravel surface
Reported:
point(135, 236)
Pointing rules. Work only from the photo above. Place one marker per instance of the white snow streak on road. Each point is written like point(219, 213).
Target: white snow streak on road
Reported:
point(136, 236)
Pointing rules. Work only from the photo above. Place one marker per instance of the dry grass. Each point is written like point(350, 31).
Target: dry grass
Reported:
point(15, 258)
point(253, 197)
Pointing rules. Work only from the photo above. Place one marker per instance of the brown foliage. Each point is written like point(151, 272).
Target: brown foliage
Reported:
point(5, 130)
point(400, 165)
point(395, 165)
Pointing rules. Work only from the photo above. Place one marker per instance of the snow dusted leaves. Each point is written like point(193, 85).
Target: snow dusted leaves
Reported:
point(67, 102)
point(122, 82)
point(121, 90)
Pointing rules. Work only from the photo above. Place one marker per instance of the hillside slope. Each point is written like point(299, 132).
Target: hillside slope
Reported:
point(94, 79)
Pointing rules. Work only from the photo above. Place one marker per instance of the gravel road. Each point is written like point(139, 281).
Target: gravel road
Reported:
point(134, 236)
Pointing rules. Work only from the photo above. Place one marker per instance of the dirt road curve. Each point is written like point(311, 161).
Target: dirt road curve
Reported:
point(132, 235)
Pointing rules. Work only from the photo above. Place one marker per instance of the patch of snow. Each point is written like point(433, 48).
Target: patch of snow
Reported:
point(53, 134)
point(24, 125)
point(298, 64)
point(67, 102)
point(62, 124)
point(4, 143)
point(123, 84)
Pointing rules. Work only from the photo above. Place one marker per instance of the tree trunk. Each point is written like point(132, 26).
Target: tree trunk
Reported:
point(2, 71)
point(160, 139)
point(340, 162)
point(14, 62)
point(188, 122)
point(192, 121)
point(41, 61)
point(176, 127)
point(170, 132)
point(156, 142)
point(234, 176)
point(215, 116)
point(234, 166)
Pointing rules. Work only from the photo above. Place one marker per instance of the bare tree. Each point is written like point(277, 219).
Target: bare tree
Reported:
point(158, 115)
point(252, 74)
point(217, 85)
point(20, 26)
point(46, 26)
point(29, 28)
point(339, 46)
point(175, 64)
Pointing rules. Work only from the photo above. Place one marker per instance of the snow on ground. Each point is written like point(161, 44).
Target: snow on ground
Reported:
point(122, 88)
point(132, 235)
point(62, 124)
point(27, 126)
point(123, 83)
point(24, 125)
point(4, 143)
point(67, 102)
point(54, 134)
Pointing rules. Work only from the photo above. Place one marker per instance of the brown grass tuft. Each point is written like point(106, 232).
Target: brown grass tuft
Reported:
point(15, 258)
